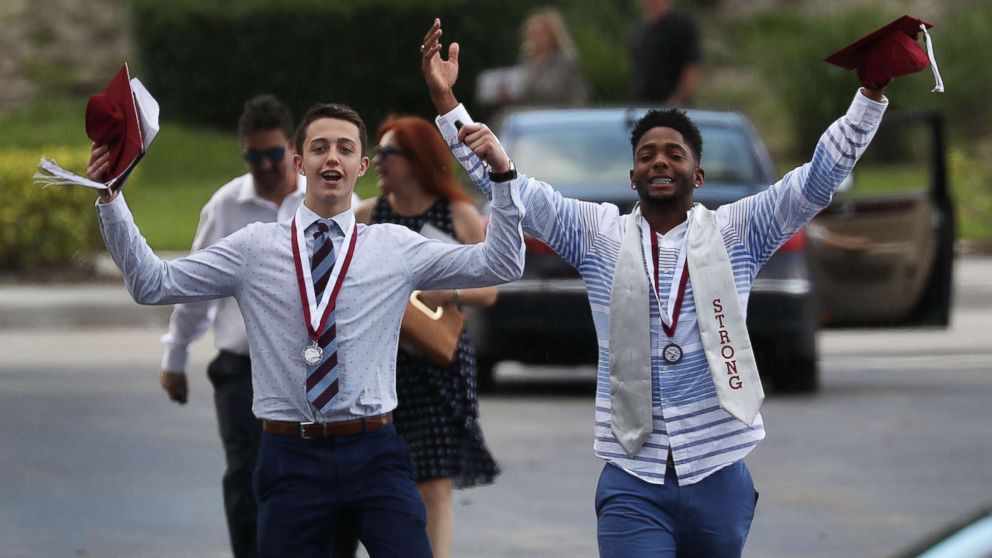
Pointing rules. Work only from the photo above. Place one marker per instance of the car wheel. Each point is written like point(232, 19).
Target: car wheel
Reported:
point(786, 369)
point(796, 375)
point(485, 375)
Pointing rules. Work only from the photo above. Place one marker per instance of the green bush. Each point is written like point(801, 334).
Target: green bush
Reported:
point(203, 59)
point(971, 180)
point(45, 228)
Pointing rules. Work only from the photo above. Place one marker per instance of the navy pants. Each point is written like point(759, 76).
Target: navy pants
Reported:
point(708, 519)
point(240, 431)
point(302, 486)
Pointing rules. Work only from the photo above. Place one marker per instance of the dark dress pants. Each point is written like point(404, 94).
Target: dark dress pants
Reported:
point(303, 486)
point(241, 432)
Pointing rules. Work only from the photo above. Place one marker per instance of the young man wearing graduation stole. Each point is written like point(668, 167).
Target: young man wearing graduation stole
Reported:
point(322, 299)
point(677, 404)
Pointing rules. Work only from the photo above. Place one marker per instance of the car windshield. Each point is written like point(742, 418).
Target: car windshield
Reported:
point(597, 151)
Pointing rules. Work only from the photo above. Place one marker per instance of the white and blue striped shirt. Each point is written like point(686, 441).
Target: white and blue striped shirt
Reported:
point(703, 438)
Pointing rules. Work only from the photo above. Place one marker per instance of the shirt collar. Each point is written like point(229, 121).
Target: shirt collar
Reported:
point(674, 235)
point(305, 217)
point(247, 193)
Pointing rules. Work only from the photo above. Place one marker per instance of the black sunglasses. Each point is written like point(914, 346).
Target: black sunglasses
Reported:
point(254, 157)
point(383, 151)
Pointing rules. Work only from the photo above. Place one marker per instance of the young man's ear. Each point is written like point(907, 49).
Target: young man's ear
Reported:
point(364, 167)
point(698, 176)
point(298, 163)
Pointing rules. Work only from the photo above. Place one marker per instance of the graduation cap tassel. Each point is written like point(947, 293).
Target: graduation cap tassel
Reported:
point(50, 174)
point(939, 87)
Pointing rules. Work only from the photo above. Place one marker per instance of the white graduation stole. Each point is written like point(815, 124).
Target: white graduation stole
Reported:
point(720, 319)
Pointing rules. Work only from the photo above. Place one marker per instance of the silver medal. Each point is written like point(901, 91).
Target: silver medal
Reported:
point(312, 354)
point(672, 353)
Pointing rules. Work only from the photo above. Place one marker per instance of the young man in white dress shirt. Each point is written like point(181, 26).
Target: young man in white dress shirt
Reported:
point(322, 299)
point(678, 392)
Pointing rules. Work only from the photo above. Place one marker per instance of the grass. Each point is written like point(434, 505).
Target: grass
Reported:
point(182, 169)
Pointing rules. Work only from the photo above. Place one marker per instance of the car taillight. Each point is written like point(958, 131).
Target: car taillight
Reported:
point(535, 246)
point(796, 243)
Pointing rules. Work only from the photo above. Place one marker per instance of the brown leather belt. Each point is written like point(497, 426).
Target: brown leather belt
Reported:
point(307, 430)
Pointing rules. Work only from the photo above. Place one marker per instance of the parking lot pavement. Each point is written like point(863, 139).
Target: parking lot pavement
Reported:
point(96, 462)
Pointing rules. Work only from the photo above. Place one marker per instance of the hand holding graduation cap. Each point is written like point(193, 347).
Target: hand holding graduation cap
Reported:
point(889, 52)
point(122, 121)
point(97, 167)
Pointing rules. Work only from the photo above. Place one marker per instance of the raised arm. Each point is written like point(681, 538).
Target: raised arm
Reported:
point(211, 273)
point(498, 259)
point(567, 226)
point(764, 221)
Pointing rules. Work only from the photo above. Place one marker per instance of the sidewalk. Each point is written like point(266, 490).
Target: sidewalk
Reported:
point(102, 303)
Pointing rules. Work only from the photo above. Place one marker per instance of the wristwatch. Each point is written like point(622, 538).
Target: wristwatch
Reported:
point(503, 176)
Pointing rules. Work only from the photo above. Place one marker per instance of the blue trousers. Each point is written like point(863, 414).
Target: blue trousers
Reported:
point(708, 519)
point(302, 485)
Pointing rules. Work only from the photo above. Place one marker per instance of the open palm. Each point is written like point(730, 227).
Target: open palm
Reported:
point(440, 74)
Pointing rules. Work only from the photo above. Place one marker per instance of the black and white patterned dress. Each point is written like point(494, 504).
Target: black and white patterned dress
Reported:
point(438, 411)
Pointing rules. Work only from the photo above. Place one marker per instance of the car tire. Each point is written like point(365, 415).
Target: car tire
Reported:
point(788, 370)
point(796, 375)
point(485, 377)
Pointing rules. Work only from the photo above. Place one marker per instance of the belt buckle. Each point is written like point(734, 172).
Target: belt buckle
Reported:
point(303, 430)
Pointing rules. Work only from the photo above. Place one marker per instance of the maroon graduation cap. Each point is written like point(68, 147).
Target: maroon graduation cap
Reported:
point(889, 52)
point(124, 117)
point(112, 120)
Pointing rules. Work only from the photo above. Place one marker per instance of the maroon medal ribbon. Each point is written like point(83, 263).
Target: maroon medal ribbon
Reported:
point(677, 308)
point(301, 282)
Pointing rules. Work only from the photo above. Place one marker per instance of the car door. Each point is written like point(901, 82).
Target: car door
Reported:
point(882, 252)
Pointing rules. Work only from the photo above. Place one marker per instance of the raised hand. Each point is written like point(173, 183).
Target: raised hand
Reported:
point(439, 74)
point(875, 91)
point(97, 168)
point(99, 163)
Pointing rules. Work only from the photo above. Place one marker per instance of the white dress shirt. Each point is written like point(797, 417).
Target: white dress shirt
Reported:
point(255, 266)
point(231, 208)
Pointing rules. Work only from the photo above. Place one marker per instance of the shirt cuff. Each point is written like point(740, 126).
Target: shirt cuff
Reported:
point(175, 359)
point(506, 195)
point(866, 112)
point(446, 122)
point(113, 212)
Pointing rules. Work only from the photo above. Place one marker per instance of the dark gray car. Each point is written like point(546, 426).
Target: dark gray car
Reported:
point(544, 317)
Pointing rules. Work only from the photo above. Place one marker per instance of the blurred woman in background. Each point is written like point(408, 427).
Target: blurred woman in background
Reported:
point(438, 412)
point(552, 73)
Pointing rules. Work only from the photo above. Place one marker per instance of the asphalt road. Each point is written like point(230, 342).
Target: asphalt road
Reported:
point(95, 462)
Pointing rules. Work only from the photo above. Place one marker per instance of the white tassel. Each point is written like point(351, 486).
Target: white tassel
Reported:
point(939, 87)
point(50, 174)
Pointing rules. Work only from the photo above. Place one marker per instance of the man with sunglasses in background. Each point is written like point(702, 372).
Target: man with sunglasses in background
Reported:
point(270, 191)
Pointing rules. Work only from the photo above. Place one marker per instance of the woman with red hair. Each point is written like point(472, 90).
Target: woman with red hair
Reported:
point(438, 412)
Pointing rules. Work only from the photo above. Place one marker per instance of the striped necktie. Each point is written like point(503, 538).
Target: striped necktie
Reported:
point(322, 378)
